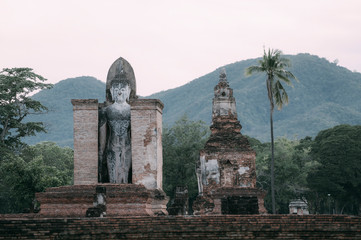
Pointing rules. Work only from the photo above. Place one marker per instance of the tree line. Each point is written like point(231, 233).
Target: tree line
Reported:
point(325, 172)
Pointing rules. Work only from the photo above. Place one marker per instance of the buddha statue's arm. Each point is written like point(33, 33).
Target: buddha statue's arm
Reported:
point(102, 140)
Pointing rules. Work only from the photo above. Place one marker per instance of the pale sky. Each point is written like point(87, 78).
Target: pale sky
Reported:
point(171, 42)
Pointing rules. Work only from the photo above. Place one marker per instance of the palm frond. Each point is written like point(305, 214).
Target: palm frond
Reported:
point(290, 75)
point(280, 95)
point(254, 69)
point(280, 75)
point(270, 93)
point(285, 76)
point(273, 64)
point(284, 62)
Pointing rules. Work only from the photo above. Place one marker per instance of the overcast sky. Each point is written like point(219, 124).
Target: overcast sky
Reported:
point(171, 42)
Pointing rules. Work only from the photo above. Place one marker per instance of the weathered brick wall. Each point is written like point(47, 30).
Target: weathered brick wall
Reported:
point(146, 125)
point(118, 199)
point(181, 227)
point(236, 168)
point(85, 141)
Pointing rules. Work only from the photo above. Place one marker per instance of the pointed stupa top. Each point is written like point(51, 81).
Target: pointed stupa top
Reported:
point(224, 104)
point(225, 128)
point(223, 75)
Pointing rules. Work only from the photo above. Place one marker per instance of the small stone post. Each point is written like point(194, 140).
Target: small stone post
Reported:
point(85, 141)
point(146, 131)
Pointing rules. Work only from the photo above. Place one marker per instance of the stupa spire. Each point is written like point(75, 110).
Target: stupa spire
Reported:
point(223, 75)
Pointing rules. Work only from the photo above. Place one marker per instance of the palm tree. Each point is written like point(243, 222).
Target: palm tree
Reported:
point(273, 65)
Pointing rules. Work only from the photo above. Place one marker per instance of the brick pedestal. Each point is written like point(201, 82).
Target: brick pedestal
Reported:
point(144, 197)
point(119, 200)
point(230, 200)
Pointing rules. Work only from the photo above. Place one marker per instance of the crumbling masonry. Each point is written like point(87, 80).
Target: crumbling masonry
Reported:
point(226, 169)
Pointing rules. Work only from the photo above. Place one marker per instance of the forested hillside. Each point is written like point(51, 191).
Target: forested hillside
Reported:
point(326, 95)
point(59, 119)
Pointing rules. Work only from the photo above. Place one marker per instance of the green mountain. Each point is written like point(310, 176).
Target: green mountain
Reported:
point(325, 96)
point(59, 119)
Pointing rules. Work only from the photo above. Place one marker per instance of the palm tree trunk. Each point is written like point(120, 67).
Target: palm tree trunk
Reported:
point(272, 165)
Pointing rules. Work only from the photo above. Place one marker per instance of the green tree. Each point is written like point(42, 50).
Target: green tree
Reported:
point(273, 65)
point(35, 169)
point(337, 180)
point(181, 145)
point(16, 84)
point(60, 158)
point(291, 170)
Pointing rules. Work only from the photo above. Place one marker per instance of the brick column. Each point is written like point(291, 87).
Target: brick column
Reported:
point(85, 112)
point(146, 130)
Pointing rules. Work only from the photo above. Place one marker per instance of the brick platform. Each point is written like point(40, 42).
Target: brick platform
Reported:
point(183, 227)
point(120, 200)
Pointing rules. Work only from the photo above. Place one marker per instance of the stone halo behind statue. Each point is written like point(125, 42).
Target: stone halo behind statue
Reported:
point(121, 70)
point(114, 152)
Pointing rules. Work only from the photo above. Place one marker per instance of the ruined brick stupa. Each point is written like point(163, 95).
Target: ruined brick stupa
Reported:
point(117, 155)
point(226, 170)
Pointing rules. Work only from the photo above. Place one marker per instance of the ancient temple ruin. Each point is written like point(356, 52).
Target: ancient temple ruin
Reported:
point(118, 159)
point(226, 170)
